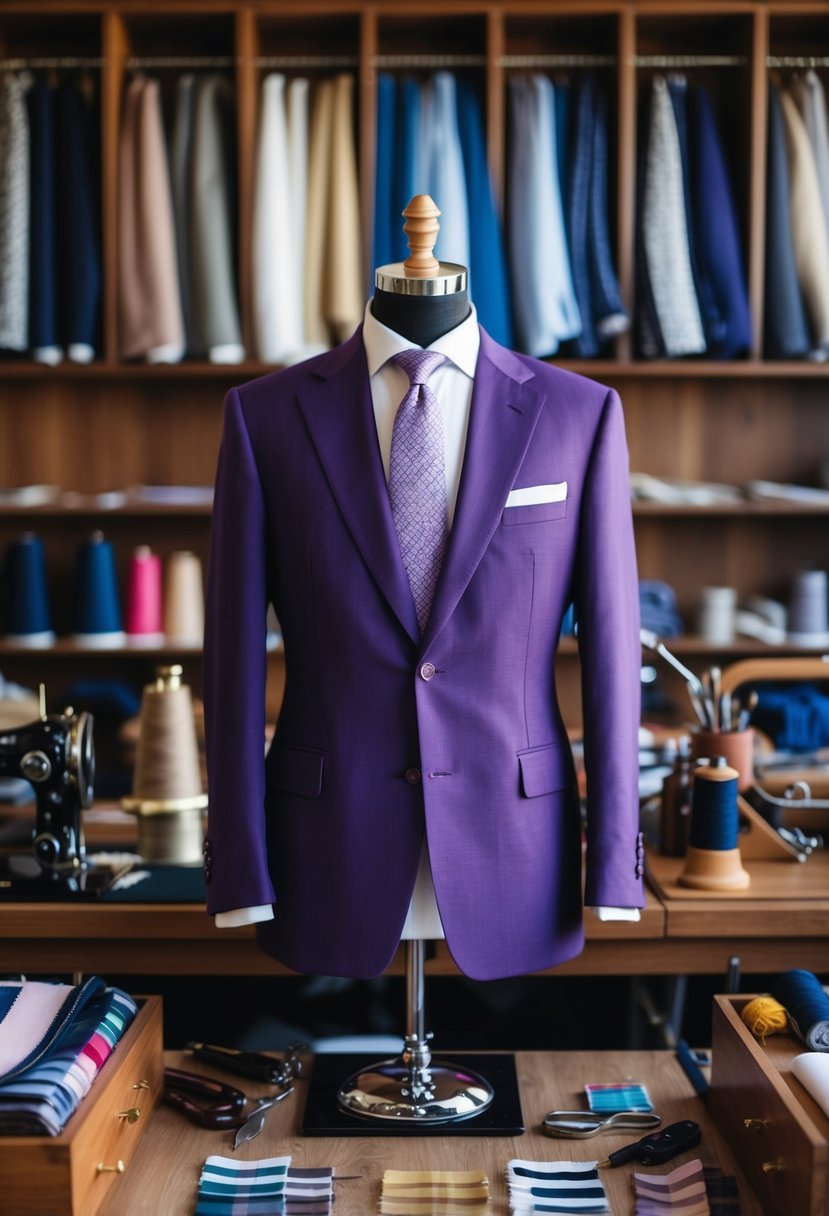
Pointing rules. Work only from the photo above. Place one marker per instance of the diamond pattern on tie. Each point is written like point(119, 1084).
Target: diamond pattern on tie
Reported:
point(417, 479)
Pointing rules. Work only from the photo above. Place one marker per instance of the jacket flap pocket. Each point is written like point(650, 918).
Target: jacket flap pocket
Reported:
point(534, 514)
point(545, 769)
point(297, 770)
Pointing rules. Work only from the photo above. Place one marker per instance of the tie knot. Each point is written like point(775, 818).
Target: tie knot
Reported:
point(419, 364)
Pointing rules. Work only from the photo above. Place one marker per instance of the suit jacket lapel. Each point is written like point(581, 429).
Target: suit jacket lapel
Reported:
point(503, 415)
point(339, 415)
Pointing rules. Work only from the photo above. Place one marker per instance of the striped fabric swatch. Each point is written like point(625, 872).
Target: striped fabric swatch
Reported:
point(271, 1187)
point(43, 1097)
point(723, 1192)
point(434, 1192)
point(680, 1193)
point(608, 1099)
point(567, 1187)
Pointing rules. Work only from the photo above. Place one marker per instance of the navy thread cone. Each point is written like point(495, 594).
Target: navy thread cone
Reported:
point(27, 620)
point(96, 608)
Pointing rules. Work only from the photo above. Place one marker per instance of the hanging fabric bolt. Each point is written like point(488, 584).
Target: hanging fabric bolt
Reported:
point(713, 859)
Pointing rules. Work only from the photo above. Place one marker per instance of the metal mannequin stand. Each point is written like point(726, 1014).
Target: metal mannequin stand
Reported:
point(413, 1088)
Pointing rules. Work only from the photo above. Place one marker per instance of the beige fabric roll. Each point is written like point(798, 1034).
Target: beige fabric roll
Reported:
point(149, 301)
point(809, 237)
point(343, 297)
point(319, 179)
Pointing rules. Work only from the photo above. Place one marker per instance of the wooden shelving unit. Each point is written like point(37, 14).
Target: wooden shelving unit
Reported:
point(109, 425)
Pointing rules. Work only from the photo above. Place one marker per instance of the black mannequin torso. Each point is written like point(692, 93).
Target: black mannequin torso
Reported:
point(421, 319)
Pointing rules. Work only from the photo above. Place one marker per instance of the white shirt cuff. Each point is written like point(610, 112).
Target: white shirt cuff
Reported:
point(243, 916)
point(616, 913)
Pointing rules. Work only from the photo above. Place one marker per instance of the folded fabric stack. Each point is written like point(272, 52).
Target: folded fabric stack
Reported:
point(434, 1192)
point(683, 1190)
point(54, 1039)
point(263, 1188)
point(566, 1187)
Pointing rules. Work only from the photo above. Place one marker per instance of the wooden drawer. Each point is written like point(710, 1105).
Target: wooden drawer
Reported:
point(779, 1134)
point(67, 1175)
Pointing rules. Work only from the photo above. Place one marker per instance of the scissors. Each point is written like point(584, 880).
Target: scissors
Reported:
point(579, 1124)
point(220, 1105)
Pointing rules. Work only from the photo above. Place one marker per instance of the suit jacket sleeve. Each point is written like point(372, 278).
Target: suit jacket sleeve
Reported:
point(235, 666)
point(607, 605)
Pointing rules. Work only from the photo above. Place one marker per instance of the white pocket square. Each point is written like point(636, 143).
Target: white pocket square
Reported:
point(530, 496)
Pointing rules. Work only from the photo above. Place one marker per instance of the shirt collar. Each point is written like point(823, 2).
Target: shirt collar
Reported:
point(460, 344)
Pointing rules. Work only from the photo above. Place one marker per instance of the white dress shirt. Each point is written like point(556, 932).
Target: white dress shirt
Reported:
point(452, 385)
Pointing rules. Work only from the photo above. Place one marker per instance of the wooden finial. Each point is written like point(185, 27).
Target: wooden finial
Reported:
point(421, 230)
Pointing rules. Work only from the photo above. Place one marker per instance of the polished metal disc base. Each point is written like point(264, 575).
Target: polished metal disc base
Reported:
point(441, 1093)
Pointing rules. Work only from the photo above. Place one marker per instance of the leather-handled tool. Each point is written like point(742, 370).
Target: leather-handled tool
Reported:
point(657, 1148)
point(204, 1100)
point(253, 1064)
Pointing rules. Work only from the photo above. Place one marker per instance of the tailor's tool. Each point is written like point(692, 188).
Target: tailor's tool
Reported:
point(255, 1121)
point(658, 1147)
point(580, 1124)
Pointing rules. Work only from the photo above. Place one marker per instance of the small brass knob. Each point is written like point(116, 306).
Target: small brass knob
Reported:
point(141, 1085)
point(118, 1168)
point(755, 1124)
point(773, 1167)
point(131, 1115)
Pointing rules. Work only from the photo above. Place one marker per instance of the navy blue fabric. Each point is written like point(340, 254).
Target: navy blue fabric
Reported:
point(79, 216)
point(407, 178)
point(717, 231)
point(576, 191)
point(609, 312)
point(488, 282)
point(562, 117)
point(785, 332)
point(385, 221)
point(795, 716)
point(43, 300)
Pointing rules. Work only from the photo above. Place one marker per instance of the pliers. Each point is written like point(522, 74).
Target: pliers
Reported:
point(182, 1089)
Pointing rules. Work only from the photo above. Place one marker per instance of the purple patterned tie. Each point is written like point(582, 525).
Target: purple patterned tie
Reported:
point(417, 479)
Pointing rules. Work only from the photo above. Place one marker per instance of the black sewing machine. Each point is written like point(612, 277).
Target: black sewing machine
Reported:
point(56, 755)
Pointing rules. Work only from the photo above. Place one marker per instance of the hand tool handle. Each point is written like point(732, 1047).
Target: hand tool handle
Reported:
point(242, 1063)
point(658, 1147)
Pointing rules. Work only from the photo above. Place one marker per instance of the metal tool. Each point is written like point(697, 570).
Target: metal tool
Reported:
point(657, 1148)
point(255, 1121)
point(579, 1124)
point(253, 1064)
point(223, 1106)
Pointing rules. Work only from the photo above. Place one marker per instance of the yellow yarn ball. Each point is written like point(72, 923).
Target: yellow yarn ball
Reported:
point(764, 1015)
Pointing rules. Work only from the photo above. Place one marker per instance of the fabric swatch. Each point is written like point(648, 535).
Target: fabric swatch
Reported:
point(566, 1187)
point(241, 1188)
point(683, 1192)
point(608, 1099)
point(434, 1192)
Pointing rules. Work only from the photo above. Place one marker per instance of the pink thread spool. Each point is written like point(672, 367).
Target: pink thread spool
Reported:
point(144, 599)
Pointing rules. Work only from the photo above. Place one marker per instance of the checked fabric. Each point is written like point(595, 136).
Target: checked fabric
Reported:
point(417, 479)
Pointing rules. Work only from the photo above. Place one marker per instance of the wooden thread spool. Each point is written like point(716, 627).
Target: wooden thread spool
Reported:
point(421, 230)
point(167, 780)
point(714, 868)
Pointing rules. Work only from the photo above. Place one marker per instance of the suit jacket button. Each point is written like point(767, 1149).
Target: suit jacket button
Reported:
point(412, 775)
point(427, 671)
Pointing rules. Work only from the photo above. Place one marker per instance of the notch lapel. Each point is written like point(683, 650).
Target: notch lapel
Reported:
point(340, 418)
point(503, 415)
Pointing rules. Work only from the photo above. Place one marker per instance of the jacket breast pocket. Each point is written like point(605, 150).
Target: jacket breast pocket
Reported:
point(536, 513)
point(543, 770)
point(295, 770)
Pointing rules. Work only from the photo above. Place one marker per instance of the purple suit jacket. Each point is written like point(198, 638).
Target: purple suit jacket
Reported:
point(384, 735)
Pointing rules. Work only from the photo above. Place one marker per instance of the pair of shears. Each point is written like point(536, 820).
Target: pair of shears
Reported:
point(202, 1099)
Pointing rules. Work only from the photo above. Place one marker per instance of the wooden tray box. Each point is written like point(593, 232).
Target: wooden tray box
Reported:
point(776, 1130)
point(71, 1174)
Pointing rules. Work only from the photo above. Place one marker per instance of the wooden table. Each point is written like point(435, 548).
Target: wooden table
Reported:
point(163, 1176)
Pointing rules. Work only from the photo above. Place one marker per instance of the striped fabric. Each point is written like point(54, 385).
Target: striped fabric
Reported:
point(434, 1192)
point(41, 1098)
point(567, 1187)
point(682, 1191)
point(608, 1099)
point(263, 1188)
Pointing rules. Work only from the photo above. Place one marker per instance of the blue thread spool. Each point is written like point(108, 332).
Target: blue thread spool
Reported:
point(28, 621)
point(713, 858)
point(802, 995)
point(96, 609)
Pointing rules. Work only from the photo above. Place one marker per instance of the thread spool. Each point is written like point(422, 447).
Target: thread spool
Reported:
point(28, 621)
point(764, 1016)
point(717, 615)
point(184, 600)
point(144, 627)
point(735, 746)
point(809, 609)
point(713, 858)
point(807, 1005)
point(96, 608)
point(167, 786)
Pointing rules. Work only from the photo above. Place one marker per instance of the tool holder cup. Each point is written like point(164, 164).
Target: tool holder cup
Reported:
point(713, 859)
point(735, 746)
point(167, 794)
